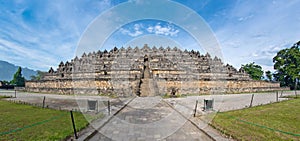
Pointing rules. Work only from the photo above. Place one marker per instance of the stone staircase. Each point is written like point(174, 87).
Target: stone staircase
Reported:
point(147, 87)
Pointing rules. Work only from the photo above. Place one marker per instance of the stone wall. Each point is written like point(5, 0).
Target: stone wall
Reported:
point(130, 88)
point(215, 86)
point(85, 87)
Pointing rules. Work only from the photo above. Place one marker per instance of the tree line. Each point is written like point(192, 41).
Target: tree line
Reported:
point(18, 79)
point(286, 66)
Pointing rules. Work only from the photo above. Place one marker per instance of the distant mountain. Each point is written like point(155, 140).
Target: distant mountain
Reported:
point(7, 70)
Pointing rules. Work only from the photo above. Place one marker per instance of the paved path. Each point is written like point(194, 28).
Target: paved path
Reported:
point(150, 118)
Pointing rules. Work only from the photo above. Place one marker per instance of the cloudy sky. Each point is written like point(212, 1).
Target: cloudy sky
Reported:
point(40, 34)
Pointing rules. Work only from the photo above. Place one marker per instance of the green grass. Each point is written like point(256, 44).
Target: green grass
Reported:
point(283, 116)
point(292, 96)
point(34, 123)
point(5, 97)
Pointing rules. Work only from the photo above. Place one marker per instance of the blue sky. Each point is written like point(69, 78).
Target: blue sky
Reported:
point(40, 34)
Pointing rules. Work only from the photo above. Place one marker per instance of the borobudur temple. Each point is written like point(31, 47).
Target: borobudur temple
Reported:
point(147, 71)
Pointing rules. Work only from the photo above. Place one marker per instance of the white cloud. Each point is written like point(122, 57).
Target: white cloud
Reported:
point(158, 29)
point(150, 29)
point(16, 53)
point(166, 30)
point(136, 33)
point(137, 1)
point(241, 19)
point(136, 30)
point(247, 31)
point(251, 35)
point(47, 35)
point(265, 56)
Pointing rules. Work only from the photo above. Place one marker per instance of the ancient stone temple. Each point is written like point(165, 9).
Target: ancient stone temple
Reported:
point(147, 72)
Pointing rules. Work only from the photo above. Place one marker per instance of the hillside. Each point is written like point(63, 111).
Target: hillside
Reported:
point(7, 71)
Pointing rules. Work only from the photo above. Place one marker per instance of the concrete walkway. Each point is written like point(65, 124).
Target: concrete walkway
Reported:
point(148, 119)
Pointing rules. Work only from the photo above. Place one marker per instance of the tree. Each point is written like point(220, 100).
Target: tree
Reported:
point(255, 71)
point(269, 75)
point(287, 66)
point(5, 82)
point(18, 79)
point(38, 76)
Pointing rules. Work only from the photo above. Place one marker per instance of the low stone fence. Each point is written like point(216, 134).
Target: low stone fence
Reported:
point(20, 89)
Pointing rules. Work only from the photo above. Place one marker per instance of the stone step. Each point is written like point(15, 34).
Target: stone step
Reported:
point(148, 88)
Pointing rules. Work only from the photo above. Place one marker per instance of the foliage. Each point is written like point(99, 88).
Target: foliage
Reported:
point(255, 71)
point(287, 66)
point(18, 79)
point(278, 116)
point(38, 76)
point(269, 75)
point(5, 82)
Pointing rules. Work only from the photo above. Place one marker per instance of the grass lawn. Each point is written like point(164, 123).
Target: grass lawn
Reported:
point(24, 122)
point(270, 121)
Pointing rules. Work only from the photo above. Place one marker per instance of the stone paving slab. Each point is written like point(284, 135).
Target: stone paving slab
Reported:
point(138, 124)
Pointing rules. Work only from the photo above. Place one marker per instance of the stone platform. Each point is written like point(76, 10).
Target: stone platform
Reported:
point(130, 71)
